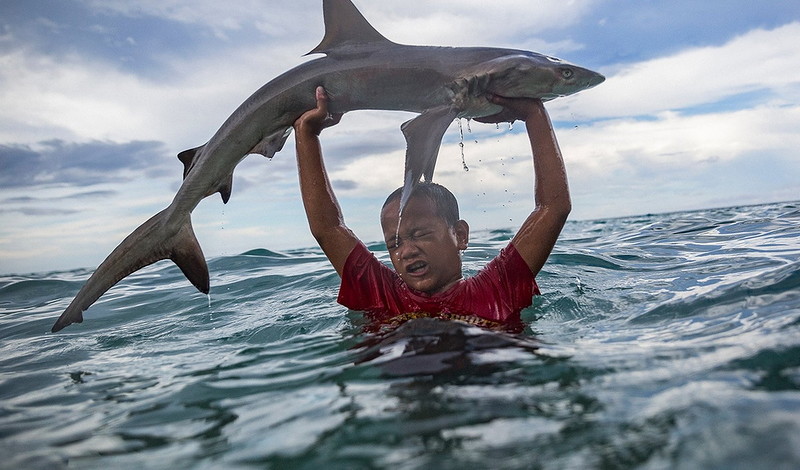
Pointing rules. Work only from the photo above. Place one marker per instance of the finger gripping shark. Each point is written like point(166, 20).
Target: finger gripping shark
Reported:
point(361, 70)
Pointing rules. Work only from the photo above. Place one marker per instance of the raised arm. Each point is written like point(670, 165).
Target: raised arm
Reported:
point(538, 234)
point(322, 209)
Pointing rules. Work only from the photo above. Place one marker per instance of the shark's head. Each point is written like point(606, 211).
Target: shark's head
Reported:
point(532, 75)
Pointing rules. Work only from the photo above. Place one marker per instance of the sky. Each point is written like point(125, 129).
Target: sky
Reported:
point(700, 109)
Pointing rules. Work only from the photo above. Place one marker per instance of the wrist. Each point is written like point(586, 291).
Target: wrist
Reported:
point(535, 110)
point(305, 132)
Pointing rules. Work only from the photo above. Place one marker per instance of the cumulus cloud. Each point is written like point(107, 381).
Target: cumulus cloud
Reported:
point(763, 61)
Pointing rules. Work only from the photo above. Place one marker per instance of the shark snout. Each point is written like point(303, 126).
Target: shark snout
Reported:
point(588, 78)
point(595, 80)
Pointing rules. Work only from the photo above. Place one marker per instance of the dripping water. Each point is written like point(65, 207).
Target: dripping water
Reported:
point(461, 144)
point(397, 233)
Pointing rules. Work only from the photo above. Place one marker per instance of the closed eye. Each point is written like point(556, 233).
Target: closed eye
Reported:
point(418, 235)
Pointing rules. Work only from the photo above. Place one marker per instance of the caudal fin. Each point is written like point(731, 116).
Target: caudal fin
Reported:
point(154, 240)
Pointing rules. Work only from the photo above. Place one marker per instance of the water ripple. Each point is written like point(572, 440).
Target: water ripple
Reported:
point(661, 341)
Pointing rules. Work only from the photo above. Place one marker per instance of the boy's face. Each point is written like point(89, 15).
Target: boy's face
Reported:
point(426, 256)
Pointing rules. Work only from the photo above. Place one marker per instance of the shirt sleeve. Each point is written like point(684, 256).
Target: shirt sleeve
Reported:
point(366, 282)
point(503, 287)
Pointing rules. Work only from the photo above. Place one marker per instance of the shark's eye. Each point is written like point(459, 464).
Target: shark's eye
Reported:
point(567, 73)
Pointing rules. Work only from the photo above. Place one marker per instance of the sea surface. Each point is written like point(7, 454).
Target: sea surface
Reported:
point(665, 341)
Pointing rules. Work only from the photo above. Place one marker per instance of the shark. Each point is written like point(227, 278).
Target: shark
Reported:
point(361, 69)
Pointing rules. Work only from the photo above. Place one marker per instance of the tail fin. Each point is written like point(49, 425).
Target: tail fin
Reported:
point(154, 240)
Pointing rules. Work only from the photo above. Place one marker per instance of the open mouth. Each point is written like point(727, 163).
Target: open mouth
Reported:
point(416, 267)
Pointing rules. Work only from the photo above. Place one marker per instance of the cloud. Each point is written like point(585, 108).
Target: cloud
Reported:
point(683, 161)
point(221, 18)
point(762, 61)
point(411, 21)
point(683, 140)
point(56, 162)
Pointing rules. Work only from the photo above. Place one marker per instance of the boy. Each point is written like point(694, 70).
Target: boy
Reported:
point(425, 248)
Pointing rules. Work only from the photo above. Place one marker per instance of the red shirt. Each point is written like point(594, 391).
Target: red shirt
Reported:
point(497, 293)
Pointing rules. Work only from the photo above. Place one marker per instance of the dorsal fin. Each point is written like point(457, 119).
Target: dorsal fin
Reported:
point(345, 26)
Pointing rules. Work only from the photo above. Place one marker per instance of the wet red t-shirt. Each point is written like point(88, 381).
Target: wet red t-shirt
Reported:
point(497, 293)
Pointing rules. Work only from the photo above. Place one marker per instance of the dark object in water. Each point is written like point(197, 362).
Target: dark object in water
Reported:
point(426, 346)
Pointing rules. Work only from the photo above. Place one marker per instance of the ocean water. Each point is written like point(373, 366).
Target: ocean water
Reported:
point(660, 342)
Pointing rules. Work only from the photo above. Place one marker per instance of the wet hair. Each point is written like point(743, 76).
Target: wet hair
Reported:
point(444, 201)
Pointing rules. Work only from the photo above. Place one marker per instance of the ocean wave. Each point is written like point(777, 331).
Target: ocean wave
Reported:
point(659, 341)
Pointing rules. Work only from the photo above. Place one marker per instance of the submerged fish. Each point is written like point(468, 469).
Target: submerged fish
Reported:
point(361, 70)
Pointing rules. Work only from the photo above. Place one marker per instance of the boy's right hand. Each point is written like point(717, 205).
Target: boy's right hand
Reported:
point(315, 120)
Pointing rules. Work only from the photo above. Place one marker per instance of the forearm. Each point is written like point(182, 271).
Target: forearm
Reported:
point(538, 234)
point(550, 176)
point(322, 208)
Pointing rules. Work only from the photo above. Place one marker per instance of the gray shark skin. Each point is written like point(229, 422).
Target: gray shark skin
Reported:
point(361, 70)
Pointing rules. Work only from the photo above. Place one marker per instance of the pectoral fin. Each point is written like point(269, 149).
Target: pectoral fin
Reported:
point(423, 138)
point(273, 143)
